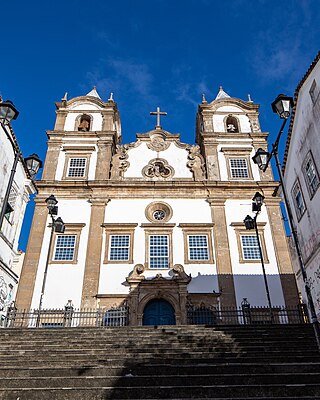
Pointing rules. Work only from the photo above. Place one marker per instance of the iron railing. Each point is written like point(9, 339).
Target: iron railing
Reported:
point(119, 316)
point(68, 317)
point(246, 315)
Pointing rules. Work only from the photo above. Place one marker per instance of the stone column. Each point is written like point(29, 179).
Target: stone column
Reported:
point(280, 243)
point(103, 160)
point(31, 260)
point(60, 120)
point(222, 248)
point(211, 157)
point(50, 165)
point(93, 256)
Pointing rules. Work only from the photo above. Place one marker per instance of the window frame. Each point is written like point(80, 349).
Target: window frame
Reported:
point(75, 167)
point(205, 229)
point(240, 231)
point(232, 153)
point(70, 230)
point(14, 192)
point(77, 152)
point(160, 229)
point(122, 247)
point(309, 157)
point(115, 229)
point(294, 197)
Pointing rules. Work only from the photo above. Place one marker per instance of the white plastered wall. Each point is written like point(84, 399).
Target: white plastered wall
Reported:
point(140, 156)
point(218, 119)
point(84, 108)
point(304, 138)
point(64, 281)
point(62, 157)
point(223, 161)
point(112, 276)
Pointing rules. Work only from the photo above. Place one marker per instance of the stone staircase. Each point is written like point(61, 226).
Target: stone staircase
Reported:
point(167, 362)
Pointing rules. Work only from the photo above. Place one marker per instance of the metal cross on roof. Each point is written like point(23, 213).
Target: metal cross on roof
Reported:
point(158, 113)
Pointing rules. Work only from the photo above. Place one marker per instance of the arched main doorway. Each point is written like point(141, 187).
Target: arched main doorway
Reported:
point(158, 312)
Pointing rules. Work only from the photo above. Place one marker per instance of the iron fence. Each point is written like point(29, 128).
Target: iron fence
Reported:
point(119, 316)
point(246, 315)
point(68, 317)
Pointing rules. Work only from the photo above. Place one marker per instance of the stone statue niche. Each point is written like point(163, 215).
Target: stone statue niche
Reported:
point(84, 124)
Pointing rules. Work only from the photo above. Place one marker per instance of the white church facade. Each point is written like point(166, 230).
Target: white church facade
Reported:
point(156, 220)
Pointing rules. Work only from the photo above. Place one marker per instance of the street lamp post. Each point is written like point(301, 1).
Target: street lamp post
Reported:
point(282, 106)
point(251, 223)
point(7, 113)
point(58, 226)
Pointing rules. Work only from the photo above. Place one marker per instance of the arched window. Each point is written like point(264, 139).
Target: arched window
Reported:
point(232, 124)
point(84, 123)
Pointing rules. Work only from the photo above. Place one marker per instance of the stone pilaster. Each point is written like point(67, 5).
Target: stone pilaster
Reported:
point(50, 165)
point(31, 260)
point(60, 120)
point(287, 277)
point(211, 157)
point(222, 249)
point(103, 160)
point(93, 256)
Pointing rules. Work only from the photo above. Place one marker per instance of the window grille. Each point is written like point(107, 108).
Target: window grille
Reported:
point(314, 92)
point(77, 167)
point(11, 203)
point(298, 200)
point(198, 247)
point(250, 247)
point(65, 247)
point(158, 251)
point(119, 247)
point(311, 175)
point(239, 168)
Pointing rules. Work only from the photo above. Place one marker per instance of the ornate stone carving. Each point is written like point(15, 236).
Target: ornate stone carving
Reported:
point(179, 274)
point(158, 169)
point(196, 163)
point(119, 161)
point(158, 142)
point(254, 123)
point(136, 275)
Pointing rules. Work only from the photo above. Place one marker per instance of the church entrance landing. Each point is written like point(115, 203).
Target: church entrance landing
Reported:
point(159, 312)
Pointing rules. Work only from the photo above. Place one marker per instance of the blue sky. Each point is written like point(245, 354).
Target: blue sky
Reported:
point(151, 53)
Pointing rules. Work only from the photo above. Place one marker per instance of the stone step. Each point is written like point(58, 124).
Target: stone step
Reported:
point(147, 354)
point(129, 380)
point(156, 347)
point(190, 330)
point(72, 361)
point(160, 369)
point(167, 392)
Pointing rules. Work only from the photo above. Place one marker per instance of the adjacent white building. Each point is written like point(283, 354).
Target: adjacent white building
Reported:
point(156, 222)
point(10, 231)
point(302, 165)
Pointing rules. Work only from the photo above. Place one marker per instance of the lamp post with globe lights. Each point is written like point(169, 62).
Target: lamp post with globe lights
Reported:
point(8, 112)
point(251, 223)
point(57, 225)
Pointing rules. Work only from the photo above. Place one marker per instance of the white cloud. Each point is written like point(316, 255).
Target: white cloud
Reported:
point(284, 50)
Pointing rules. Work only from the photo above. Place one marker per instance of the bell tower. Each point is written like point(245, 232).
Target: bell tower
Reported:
point(83, 120)
point(227, 121)
point(80, 148)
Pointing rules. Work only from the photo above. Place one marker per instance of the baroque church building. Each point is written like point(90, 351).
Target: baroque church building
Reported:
point(156, 221)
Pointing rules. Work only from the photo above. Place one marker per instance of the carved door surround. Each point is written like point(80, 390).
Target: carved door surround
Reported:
point(142, 290)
